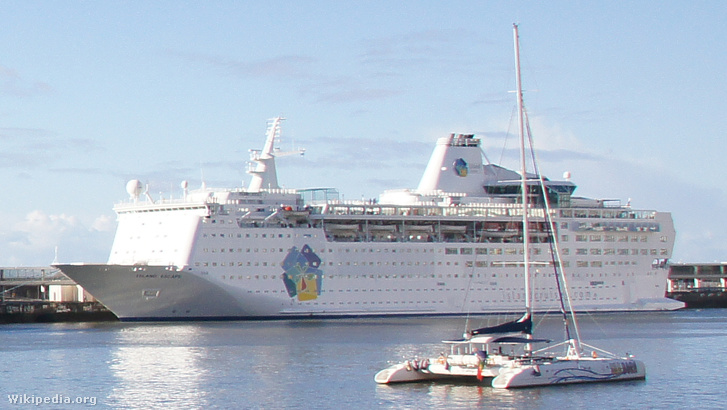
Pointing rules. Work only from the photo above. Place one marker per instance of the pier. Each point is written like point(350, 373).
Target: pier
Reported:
point(45, 294)
point(700, 285)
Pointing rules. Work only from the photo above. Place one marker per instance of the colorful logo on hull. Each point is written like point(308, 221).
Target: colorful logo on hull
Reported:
point(460, 167)
point(301, 276)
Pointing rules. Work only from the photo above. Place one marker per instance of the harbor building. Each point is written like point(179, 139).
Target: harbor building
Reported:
point(698, 284)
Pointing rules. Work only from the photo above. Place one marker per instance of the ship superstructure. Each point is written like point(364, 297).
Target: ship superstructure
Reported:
point(451, 246)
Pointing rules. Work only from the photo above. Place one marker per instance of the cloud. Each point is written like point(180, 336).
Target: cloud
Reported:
point(103, 223)
point(32, 241)
point(354, 93)
point(308, 76)
point(357, 153)
point(421, 49)
point(279, 67)
point(30, 148)
point(384, 67)
point(13, 84)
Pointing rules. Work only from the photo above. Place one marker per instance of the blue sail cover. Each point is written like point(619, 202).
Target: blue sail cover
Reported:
point(513, 339)
point(524, 325)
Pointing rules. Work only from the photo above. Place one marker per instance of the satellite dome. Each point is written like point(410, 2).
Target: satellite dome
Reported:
point(134, 188)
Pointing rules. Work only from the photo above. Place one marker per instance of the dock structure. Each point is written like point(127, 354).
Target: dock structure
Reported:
point(37, 283)
point(698, 285)
point(45, 294)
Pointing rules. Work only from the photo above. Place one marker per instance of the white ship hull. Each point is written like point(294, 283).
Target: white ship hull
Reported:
point(356, 279)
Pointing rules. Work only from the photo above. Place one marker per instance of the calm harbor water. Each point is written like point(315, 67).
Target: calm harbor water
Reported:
point(331, 364)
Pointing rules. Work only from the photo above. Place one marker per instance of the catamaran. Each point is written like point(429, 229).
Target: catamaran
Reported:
point(478, 356)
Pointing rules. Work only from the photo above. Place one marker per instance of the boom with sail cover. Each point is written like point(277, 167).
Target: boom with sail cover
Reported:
point(523, 325)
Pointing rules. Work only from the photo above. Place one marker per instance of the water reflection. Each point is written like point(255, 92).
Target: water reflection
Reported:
point(468, 395)
point(156, 366)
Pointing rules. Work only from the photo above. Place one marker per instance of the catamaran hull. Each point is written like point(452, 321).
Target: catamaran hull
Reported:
point(407, 372)
point(404, 373)
point(583, 370)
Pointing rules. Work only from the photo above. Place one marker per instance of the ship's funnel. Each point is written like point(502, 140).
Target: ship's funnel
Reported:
point(455, 166)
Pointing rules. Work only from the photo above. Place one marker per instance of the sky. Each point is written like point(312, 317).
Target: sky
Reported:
point(629, 97)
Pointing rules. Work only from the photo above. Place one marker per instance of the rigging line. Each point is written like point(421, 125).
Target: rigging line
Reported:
point(472, 275)
point(507, 134)
point(482, 151)
point(554, 246)
point(550, 228)
point(596, 322)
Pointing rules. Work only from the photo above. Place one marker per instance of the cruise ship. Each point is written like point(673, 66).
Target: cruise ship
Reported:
point(451, 246)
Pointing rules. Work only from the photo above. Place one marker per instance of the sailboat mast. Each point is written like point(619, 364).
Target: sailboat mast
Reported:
point(524, 182)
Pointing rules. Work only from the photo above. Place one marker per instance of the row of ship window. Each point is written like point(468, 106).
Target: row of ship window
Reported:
point(469, 264)
point(564, 213)
point(563, 238)
point(437, 276)
point(582, 213)
point(612, 238)
point(508, 296)
point(480, 301)
point(466, 251)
